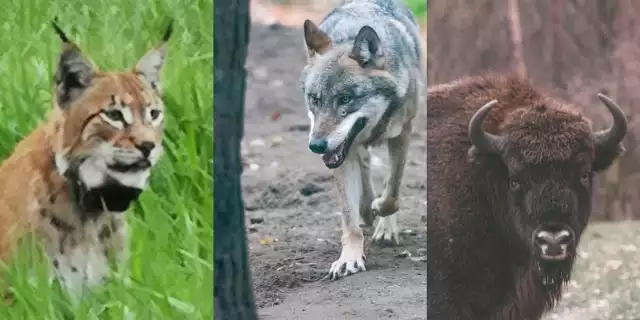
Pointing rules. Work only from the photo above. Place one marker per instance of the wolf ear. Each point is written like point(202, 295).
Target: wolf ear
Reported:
point(73, 72)
point(149, 67)
point(317, 41)
point(366, 48)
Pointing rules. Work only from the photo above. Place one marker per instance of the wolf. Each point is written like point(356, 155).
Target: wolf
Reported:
point(362, 85)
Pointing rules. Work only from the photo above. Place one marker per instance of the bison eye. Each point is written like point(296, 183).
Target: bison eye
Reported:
point(514, 184)
point(585, 178)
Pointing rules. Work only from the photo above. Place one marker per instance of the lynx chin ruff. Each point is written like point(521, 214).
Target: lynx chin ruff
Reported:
point(70, 180)
point(363, 83)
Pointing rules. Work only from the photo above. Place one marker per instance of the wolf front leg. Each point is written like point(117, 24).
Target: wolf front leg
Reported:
point(387, 205)
point(349, 185)
point(368, 192)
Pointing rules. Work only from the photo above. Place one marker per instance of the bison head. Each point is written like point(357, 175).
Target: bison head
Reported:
point(547, 156)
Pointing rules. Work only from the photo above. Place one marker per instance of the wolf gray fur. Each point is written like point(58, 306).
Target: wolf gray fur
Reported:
point(363, 82)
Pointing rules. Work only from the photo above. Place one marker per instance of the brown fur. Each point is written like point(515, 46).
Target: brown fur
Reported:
point(126, 88)
point(480, 266)
point(37, 198)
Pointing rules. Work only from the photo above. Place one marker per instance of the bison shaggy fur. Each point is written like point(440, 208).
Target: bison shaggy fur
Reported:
point(509, 195)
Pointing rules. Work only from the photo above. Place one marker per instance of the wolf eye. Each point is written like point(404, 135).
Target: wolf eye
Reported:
point(315, 100)
point(114, 115)
point(343, 112)
point(514, 184)
point(344, 100)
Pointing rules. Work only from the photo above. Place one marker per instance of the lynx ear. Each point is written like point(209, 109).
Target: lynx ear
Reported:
point(74, 72)
point(149, 67)
point(317, 41)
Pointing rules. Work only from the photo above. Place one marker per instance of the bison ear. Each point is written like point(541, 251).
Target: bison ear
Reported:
point(366, 49)
point(149, 67)
point(316, 40)
point(73, 73)
point(606, 156)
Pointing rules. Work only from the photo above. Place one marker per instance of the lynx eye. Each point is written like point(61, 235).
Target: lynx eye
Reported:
point(115, 115)
point(155, 114)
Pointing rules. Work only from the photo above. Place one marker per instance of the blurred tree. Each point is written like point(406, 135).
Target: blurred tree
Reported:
point(516, 38)
point(610, 22)
point(232, 290)
point(557, 45)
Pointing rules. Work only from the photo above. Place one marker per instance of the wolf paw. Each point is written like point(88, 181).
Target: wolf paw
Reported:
point(351, 261)
point(384, 207)
point(387, 231)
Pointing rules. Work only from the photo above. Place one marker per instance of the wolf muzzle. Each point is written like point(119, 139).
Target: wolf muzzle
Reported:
point(318, 146)
point(334, 158)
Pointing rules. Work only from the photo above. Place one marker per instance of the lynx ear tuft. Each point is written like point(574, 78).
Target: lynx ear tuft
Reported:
point(74, 72)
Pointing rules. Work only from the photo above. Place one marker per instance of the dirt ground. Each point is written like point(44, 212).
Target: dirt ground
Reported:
point(292, 207)
point(606, 278)
point(293, 221)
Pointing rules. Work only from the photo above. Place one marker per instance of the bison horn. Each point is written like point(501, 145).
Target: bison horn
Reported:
point(615, 134)
point(485, 142)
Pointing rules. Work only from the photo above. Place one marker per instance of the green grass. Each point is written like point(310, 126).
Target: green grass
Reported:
point(171, 225)
point(418, 7)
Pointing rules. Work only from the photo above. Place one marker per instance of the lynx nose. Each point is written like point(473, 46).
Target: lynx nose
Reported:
point(145, 147)
point(318, 145)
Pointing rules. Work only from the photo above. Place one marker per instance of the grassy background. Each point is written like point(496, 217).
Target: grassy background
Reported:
point(418, 7)
point(172, 224)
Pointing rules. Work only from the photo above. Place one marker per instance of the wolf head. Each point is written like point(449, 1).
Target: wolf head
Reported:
point(347, 89)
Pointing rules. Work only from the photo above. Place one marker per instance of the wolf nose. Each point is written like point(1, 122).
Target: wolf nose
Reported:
point(145, 147)
point(318, 145)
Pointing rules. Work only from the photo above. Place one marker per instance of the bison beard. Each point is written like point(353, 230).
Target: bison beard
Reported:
point(554, 273)
point(481, 265)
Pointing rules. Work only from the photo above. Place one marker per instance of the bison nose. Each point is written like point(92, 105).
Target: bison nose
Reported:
point(318, 145)
point(553, 245)
point(145, 147)
point(553, 239)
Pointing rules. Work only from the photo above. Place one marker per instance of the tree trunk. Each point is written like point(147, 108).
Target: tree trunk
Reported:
point(607, 18)
point(557, 49)
point(232, 281)
point(621, 23)
point(516, 38)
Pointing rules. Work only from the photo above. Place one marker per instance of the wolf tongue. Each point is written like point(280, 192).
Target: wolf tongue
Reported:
point(328, 158)
point(331, 157)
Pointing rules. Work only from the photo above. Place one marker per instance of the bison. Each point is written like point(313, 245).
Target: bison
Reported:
point(510, 174)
